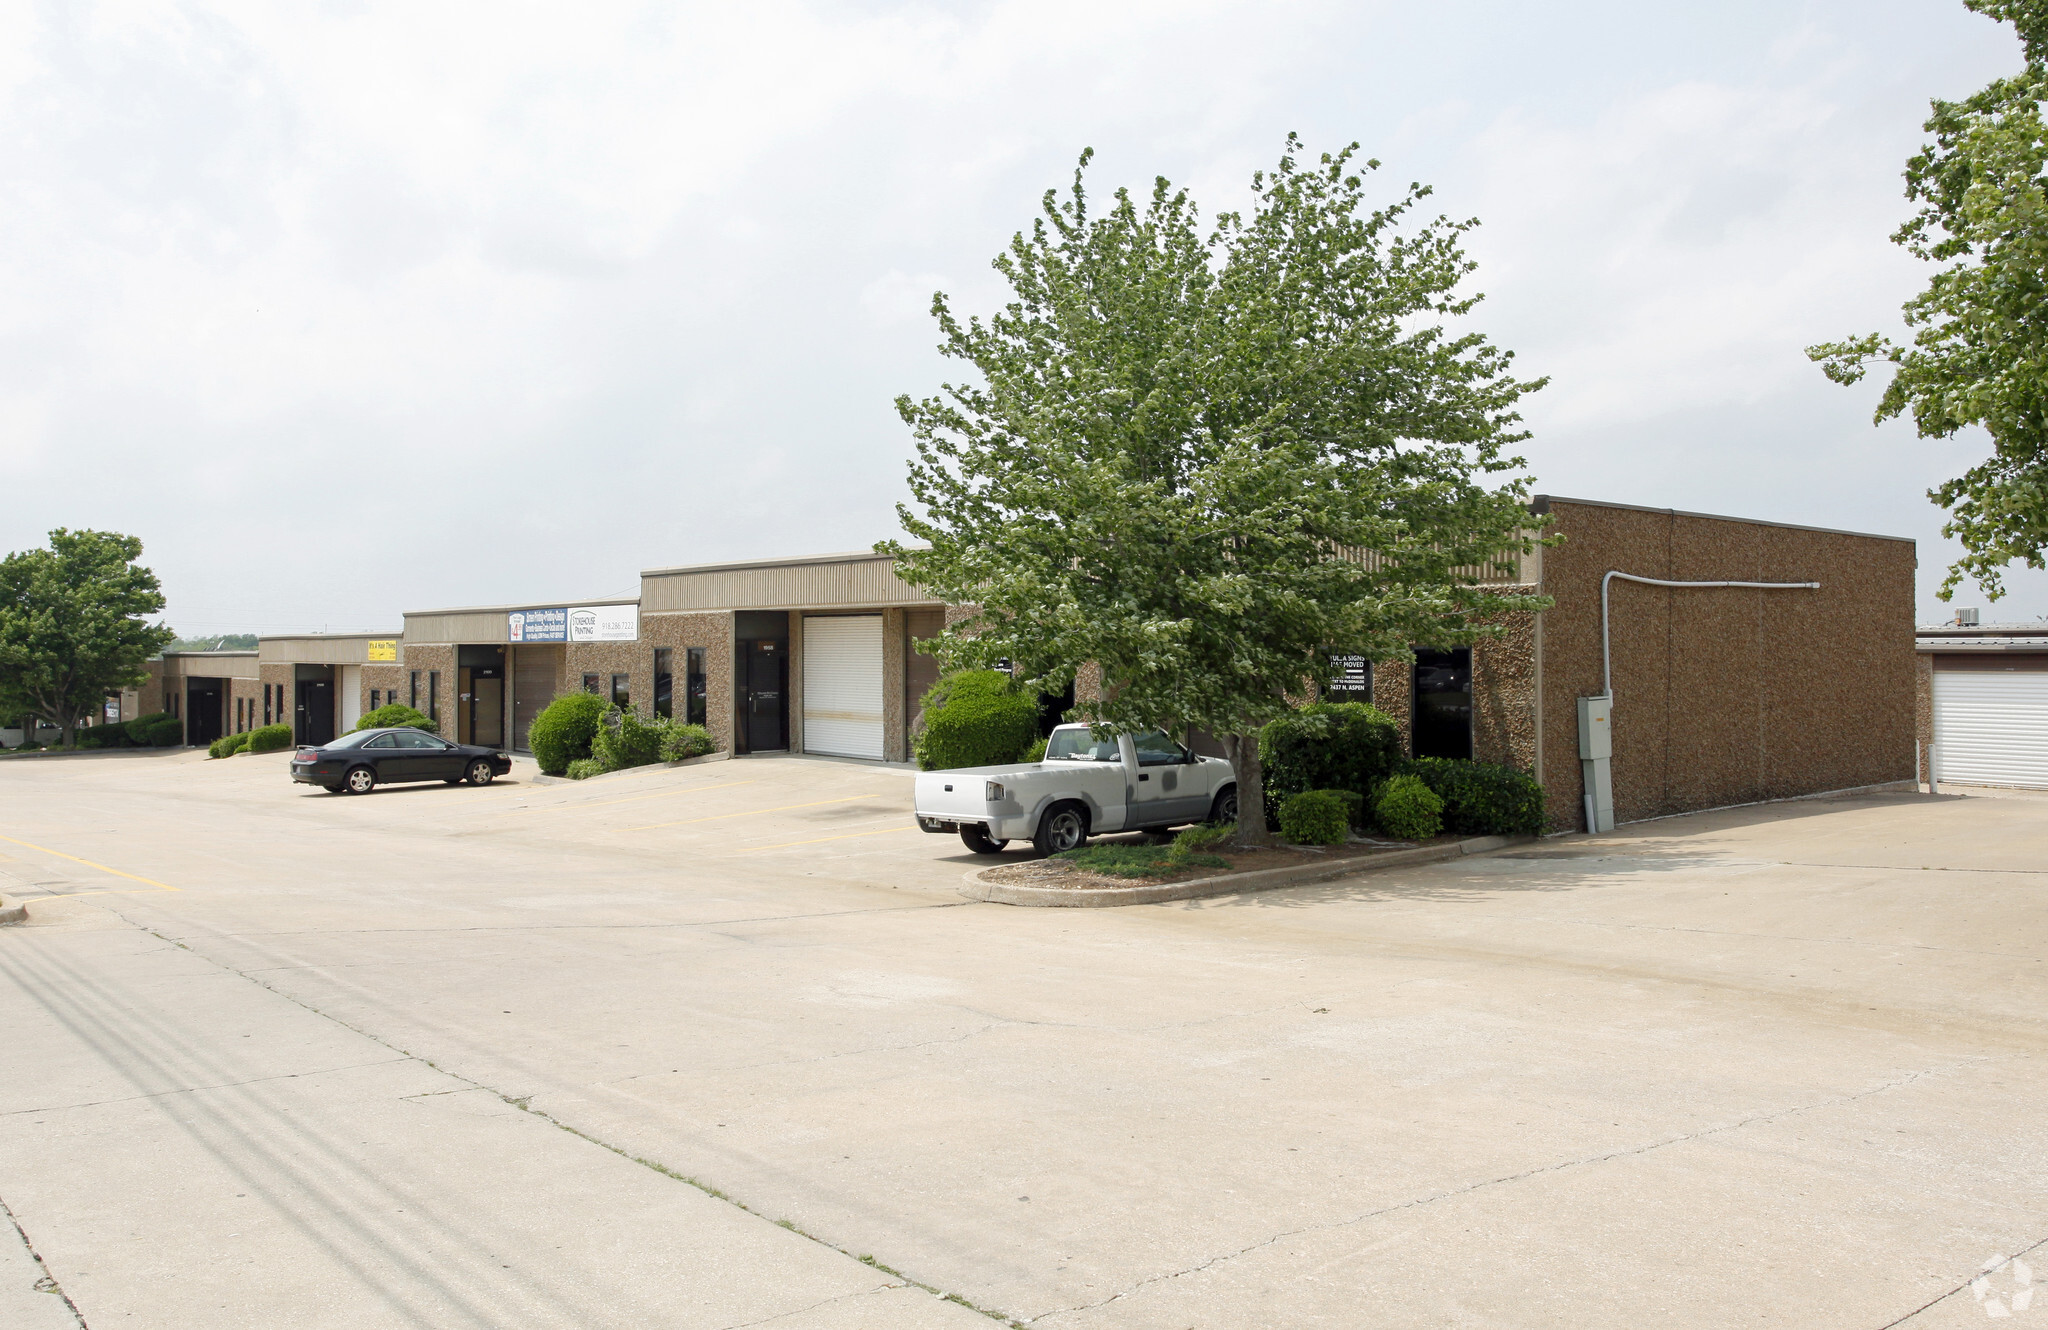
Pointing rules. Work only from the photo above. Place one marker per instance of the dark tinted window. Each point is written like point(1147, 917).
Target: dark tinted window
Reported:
point(1155, 749)
point(381, 741)
point(1443, 703)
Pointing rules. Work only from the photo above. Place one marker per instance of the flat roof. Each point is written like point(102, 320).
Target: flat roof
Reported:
point(1542, 502)
point(232, 651)
point(847, 556)
point(529, 605)
point(330, 637)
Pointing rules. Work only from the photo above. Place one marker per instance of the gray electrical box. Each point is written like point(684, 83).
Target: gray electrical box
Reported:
point(1596, 728)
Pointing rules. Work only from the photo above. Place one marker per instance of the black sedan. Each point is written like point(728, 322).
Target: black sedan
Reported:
point(358, 763)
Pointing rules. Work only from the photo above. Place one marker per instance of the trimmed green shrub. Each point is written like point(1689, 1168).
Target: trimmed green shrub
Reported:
point(1036, 752)
point(1315, 817)
point(562, 732)
point(583, 768)
point(975, 718)
point(268, 738)
point(157, 730)
point(624, 740)
point(1354, 805)
point(229, 744)
point(1328, 746)
point(1408, 810)
point(680, 742)
point(397, 716)
point(1482, 798)
point(104, 736)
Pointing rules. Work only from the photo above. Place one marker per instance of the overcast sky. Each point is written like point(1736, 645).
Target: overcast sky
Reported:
point(354, 308)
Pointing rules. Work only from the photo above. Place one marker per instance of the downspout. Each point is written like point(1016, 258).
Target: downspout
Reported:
point(1596, 714)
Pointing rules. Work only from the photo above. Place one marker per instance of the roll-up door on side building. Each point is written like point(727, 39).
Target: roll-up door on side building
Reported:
point(843, 685)
point(1991, 728)
point(534, 669)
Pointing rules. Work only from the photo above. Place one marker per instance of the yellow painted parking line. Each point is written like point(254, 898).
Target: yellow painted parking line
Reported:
point(631, 798)
point(851, 835)
point(751, 812)
point(161, 886)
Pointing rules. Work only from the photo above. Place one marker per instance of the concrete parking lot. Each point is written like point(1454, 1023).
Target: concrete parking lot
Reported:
point(683, 1047)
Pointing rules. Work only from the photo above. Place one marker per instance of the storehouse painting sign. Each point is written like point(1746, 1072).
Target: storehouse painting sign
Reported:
point(537, 626)
point(605, 623)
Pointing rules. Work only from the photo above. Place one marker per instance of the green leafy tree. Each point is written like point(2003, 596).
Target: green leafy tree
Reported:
point(71, 625)
point(1979, 353)
point(1183, 436)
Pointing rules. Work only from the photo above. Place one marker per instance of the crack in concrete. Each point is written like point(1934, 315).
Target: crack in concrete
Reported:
point(1485, 1184)
point(201, 1089)
point(1968, 1280)
point(42, 1265)
point(827, 1302)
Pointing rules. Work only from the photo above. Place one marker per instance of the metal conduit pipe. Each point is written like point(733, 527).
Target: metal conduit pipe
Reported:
point(1596, 714)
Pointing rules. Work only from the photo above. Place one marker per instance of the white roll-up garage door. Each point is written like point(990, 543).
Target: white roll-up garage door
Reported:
point(1992, 728)
point(843, 685)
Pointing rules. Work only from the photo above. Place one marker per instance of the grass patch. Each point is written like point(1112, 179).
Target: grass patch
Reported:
point(1138, 860)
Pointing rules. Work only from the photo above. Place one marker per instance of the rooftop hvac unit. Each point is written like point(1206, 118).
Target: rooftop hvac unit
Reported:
point(1966, 618)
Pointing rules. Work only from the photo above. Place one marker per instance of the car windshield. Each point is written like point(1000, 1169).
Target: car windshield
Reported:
point(355, 740)
point(1078, 745)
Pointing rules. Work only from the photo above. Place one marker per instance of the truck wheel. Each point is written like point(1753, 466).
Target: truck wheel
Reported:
point(978, 840)
point(1064, 827)
point(1225, 808)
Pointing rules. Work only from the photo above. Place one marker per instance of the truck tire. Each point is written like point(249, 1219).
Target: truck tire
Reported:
point(1064, 827)
point(1225, 808)
point(978, 840)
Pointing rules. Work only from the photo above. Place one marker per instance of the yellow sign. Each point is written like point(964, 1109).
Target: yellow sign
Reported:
point(384, 650)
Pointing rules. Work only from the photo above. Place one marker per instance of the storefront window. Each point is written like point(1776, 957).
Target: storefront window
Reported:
point(622, 694)
point(664, 682)
point(433, 694)
point(693, 688)
point(591, 684)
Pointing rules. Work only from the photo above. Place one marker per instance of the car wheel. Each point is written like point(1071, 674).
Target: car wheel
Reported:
point(360, 780)
point(1225, 808)
point(978, 840)
point(480, 773)
point(1064, 827)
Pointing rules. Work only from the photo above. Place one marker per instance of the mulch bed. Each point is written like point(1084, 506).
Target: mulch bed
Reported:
point(1057, 873)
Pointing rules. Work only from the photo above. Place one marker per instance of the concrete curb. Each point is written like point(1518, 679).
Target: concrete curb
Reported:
point(12, 911)
point(1230, 884)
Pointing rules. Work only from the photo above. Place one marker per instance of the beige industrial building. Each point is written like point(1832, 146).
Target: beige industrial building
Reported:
point(1739, 661)
point(1983, 703)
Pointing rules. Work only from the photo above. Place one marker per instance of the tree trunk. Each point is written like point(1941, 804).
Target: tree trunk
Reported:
point(68, 732)
point(1251, 791)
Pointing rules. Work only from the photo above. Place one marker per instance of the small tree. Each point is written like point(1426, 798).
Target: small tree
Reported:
point(1206, 462)
point(71, 625)
point(1980, 342)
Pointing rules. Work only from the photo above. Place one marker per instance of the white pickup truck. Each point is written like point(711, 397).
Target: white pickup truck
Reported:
point(1085, 786)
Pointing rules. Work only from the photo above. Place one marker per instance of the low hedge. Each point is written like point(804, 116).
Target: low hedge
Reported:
point(397, 716)
point(583, 768)
point(1315, 817)
point(1482, 798)
point(228, 744)
point(104, 736)
point(159, 729)
point(681, 742)
point(1408, 809)
point(1328, 746)
point(562, 732)
point(974, 718)
point(269, 738)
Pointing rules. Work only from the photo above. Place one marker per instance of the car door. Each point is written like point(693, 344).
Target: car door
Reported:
point(1158, 799)
point(381, 751)
point(430, 758)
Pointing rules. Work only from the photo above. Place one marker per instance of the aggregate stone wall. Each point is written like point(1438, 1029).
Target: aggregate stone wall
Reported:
point(389, 683)
point(679, 632)
point(1923, 709)
point(1726, 695)
point(425, 659)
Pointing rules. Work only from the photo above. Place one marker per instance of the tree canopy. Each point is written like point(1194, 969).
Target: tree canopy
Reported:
point(1979, 352)
point(71, 625)
point(1206, 457)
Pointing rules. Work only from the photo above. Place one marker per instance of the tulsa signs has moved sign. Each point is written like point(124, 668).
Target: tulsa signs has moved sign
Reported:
point(580, 623)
